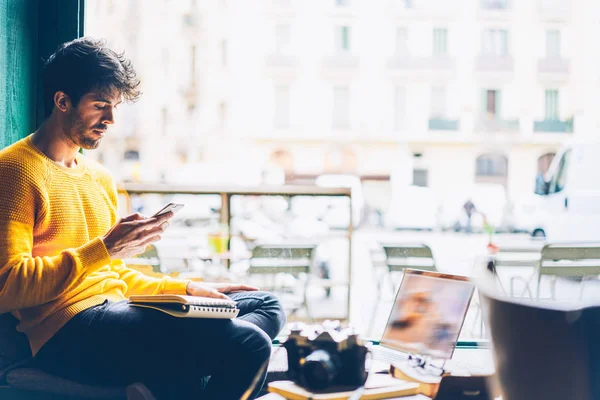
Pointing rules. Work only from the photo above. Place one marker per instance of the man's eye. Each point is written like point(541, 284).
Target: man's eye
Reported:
point(99, 107)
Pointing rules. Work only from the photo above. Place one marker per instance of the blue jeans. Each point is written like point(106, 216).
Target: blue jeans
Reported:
point(115, 344)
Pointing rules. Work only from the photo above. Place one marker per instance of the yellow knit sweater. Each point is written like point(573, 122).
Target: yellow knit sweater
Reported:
point(53, 263)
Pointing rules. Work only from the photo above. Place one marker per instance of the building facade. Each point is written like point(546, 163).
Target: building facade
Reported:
point(437, 93)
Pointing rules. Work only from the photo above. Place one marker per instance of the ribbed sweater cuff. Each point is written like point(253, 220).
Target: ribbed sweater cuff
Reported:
point(175, 286)
point(93, 255)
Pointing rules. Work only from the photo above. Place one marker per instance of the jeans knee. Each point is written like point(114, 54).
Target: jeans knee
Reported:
point(256, 346)
point(272, 305)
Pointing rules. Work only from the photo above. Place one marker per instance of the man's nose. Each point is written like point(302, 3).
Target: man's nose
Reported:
point(108, 117)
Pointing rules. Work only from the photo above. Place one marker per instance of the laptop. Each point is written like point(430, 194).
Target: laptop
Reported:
point(426, 318)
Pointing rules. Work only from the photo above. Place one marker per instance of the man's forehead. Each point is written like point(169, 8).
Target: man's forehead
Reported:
point(108, 96)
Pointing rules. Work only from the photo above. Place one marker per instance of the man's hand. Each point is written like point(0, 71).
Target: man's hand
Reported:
point(216, 290)
point(132, 234)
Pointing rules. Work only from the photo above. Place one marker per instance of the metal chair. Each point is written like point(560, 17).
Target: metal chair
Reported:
point(276, 261)
point(568, 260)
point(521, 255)
point(402, 256)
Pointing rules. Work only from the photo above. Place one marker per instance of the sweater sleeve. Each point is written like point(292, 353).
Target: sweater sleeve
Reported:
point(138, 283)
point(27, 281)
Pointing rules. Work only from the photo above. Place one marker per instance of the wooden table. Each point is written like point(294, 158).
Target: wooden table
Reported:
point(478, 360)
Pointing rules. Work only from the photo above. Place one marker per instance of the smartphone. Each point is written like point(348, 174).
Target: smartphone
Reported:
point(169, 207)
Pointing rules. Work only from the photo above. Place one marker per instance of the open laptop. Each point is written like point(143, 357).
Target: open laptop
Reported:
point(428, 313)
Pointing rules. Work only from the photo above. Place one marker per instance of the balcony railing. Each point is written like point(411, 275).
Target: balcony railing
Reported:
point(438, 63)
point(488, 124)
point(341, 60)
point(442, 124)
point(553, 65)
point(491, 63)
point(227, 192)
point(279, 60)
point(422, 8)
point(495, 4)
point(553, 126)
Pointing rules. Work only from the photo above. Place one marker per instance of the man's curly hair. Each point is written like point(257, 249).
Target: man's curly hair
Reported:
point(85, 65)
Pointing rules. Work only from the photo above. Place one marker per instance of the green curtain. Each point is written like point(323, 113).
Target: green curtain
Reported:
point(30, 30)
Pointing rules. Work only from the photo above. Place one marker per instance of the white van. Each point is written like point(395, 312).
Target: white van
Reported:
point(569, 204)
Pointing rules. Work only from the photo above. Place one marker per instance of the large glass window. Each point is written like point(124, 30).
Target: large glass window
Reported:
point(224, 106)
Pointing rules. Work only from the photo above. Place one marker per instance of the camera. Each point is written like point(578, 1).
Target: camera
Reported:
point(326, 358)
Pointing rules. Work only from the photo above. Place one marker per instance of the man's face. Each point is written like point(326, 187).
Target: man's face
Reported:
point(87, 123)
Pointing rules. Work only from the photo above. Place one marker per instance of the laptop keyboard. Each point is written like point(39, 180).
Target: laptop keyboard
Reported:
point(472, 362)
point(387, 356)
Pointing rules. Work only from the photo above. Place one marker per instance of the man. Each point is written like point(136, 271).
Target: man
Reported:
point(470, 209)
point(61, 248)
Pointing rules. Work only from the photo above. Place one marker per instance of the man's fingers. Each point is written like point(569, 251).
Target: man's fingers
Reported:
point(149, 240)
point(133, 217)
point(214, 293)
point(157, 230)
point(240, 288)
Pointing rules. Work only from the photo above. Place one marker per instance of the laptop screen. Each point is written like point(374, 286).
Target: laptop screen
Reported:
point(428, 313)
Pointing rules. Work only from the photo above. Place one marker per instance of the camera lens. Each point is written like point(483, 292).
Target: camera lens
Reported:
point(320, 369)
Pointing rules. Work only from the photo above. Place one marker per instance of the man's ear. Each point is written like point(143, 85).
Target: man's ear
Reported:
point(62, 101)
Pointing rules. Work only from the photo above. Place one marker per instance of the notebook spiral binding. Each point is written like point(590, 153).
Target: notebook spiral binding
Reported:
point(187, 308)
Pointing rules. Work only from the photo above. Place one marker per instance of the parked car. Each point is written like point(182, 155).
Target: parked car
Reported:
point(570, 197)
point(527, 216)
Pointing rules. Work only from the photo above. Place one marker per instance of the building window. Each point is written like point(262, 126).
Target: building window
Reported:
point(401, 41)
point(495, 42)
point(492, 165)
point(552, 43)
point(491, 103)
point(544, 161)
point(494, 4)
point(551, 109)
point(438, 102)
point(164, 120)
point(222, 116)
point(282, 38)
point(342, 38)
point(193, 64)
point(440, 41)
point(282, 106)
point(420, 177)
point(223, 53)
point(341, 107)
point(399, 107)
point(131, 155)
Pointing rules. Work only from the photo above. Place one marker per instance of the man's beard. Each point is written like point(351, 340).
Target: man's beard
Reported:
point(78, 135)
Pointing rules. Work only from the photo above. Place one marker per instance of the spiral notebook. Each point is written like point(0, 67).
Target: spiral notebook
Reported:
point(187, 306)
